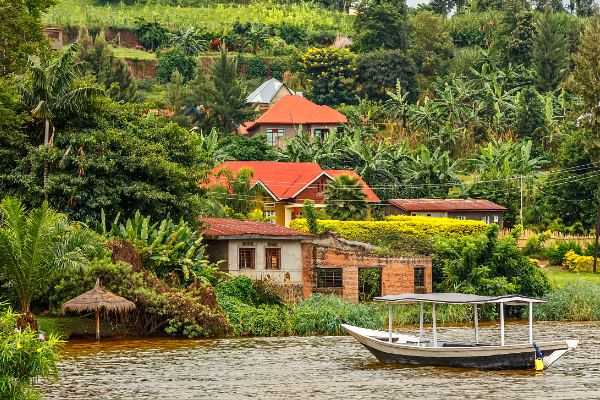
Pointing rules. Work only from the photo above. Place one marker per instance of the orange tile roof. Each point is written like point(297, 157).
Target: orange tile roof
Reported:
point(297, 110)
point(235, 227)
point(285, 180)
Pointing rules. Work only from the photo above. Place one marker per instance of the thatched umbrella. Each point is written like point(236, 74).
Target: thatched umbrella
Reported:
point(94, 300)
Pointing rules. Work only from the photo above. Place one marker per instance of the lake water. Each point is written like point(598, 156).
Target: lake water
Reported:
point(317, 367)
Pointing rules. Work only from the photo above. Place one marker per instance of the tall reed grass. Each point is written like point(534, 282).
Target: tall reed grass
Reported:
point(574, 301)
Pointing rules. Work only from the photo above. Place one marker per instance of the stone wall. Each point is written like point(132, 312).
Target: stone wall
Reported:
point(397, 272)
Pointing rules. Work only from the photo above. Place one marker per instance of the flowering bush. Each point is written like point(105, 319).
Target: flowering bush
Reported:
point(25, 355)
point(577, 263)
point(420, 227)
point(327, 73)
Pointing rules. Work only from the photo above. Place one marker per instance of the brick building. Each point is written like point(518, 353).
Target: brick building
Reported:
point(333, 265)
point(288, 184)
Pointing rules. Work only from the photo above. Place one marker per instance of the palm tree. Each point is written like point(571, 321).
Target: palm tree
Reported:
point(189, 40)
point(37, 244)
point(236, 190)
point(345, 199)
point(53, 91)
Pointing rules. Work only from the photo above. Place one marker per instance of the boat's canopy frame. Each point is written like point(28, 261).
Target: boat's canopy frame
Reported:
point(461, 298)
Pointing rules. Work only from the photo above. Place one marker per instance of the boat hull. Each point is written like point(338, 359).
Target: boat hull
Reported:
point(509, 357)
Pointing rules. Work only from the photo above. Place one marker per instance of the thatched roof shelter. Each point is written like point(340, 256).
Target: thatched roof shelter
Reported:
point(95, 300)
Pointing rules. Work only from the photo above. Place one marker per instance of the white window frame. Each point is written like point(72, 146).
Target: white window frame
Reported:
point(461, 218)
point(270, 213)
point(486, 219)
point(496, 219)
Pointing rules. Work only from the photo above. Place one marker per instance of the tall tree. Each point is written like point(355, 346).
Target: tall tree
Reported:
point(345, 199)
point(223, 98)
point(521, 42)
point(21, 32)
point(550, 53)
point(587, 85)
point(36, 244)
point(432, 45)
point(127, 87)
point(530, 114)
point(381, 24)
point(381, 71)
point(53, 91)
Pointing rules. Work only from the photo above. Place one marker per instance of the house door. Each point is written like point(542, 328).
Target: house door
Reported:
point(369, 283)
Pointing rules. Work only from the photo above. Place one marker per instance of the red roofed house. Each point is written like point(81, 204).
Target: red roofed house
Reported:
point(288, 184)
point(283, 120)
point(260, 250)
point(471, 209)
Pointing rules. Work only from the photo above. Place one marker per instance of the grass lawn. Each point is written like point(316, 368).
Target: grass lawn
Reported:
point(64, 327)
point(124, 52)
point(558, 276)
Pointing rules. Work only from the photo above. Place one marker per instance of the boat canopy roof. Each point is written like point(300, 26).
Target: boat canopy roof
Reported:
point(459, 298)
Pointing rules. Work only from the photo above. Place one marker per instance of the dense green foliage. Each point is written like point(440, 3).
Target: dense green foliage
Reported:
point(317, 315)
point(25, 356)
point(573, 301)
point(485, 265)
point(175, 59)
point(37, 245)
point(345, 199)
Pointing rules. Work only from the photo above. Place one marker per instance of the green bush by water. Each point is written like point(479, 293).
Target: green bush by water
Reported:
point(249, 314)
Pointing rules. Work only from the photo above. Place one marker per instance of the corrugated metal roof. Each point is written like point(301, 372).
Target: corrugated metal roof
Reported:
point(265, 92)
point(234, 227)
point(446, 205)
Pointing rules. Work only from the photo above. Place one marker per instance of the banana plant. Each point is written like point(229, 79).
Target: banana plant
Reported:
point(164, 247)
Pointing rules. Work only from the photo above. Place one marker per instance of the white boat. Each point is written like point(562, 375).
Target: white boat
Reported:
point(390, 347)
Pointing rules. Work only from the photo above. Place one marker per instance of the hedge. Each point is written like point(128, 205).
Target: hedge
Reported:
point(420, 227)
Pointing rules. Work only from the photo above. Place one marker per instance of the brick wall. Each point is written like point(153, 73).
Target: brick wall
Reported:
point(397, 272)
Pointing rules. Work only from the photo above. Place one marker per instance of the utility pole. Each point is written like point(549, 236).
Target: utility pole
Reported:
point(521, 212)
point(597, 234)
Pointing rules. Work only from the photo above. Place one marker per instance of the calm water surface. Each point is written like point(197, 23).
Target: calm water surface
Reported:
point(316, 367)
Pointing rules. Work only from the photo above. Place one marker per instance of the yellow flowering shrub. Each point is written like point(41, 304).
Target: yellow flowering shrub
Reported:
point(419, 227)
point(535, 262)
point(577, 263)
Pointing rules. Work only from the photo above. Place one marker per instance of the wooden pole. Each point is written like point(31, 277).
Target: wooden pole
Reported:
point(98, 325)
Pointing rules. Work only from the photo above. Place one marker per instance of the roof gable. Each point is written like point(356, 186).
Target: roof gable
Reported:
point(297, 110)
point(265, 92)
point(234, 227)
point(287, 180)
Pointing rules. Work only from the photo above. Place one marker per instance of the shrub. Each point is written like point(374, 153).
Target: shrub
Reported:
point(556, 252)
point(256, 67)
point(318, 315)
point(276, 68)
point(535, 243)
point(577, 263)
point(575, 301)
point(25, 355)
point(420, 227)
point(172, 60)
point(192, 311)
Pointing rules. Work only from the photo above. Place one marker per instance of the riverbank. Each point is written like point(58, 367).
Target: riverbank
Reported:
point(74, 327)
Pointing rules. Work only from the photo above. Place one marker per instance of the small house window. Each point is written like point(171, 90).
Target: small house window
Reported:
point(273, 259)
point(272, 135)
point(486, 219)
point(268, 214)
point(413, 214)
point(496, 218)
point(429, 215)
point(329, 277)
point(461, 217)
point(270, 205)
point(246, 258)
point(419, 281)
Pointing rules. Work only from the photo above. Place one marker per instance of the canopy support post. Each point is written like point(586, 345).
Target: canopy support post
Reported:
point(390, 320)
point(421, 325)
point(530, 322)
point(98, 325)
point(501, 324)
point(434, 328)
point(476, 319)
